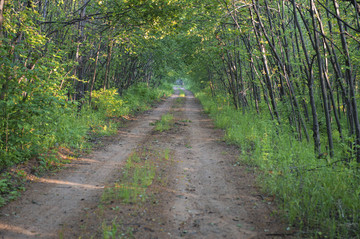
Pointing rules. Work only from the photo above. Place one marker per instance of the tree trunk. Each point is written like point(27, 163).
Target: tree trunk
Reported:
point(108, 60)
point(94, 75)
point(266, 66)
point(2, 2)
point(350, 80)
point(310, 84)
point(321, 78)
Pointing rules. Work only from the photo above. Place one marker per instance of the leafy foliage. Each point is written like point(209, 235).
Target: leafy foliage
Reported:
point(109, 103)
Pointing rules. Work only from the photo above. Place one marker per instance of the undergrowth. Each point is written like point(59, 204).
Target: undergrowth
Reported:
point(320, 196)
point(63, 126)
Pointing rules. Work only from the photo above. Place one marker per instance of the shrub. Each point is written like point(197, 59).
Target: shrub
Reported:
point(109, 102)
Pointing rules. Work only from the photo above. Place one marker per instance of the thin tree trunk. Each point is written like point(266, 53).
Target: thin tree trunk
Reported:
point(286, 75)
point(310, 76)
point(94, 75)
point(321, 77)
point(2, 2)
point(265, 65)
point(350, 80)
point(108, 60)
point(326, 75)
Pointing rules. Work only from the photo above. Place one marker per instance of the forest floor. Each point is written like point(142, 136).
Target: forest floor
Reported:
point(201, 189)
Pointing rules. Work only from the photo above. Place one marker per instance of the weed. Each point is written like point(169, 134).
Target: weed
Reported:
point(166, 154)
point(131, 190)
point(166, 122)
point(115, 230)
point(137, 177)
point(11, 184)
point(63, 125)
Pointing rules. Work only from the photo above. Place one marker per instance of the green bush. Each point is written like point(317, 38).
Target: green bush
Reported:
point(109, 102)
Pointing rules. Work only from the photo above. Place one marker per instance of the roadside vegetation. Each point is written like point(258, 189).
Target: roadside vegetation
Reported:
point(282, 78)
point(317, 195)
point(67, 130)
point(68, 78)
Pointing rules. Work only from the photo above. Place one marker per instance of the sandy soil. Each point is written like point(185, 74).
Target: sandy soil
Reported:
point(206, 194)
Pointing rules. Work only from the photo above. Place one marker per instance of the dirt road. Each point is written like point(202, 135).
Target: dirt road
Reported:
point(206, 195)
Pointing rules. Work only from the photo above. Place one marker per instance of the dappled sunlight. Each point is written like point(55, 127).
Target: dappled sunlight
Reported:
point(85, 160)
point(67, 183)
point(189, 169)
point(11, 229)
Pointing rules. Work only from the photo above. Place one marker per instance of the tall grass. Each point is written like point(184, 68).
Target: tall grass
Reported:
point(321, 197)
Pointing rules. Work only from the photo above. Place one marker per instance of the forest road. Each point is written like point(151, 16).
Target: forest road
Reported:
point(209, 194)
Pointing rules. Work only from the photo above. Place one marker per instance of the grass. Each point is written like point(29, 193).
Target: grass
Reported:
point(115, 231)
point(321, 197)
point(133, 189)
point(166, 154)
point(137, 176)
point(166, 122)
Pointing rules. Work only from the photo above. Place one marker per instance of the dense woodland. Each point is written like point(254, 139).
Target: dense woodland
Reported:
point(282, 75)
